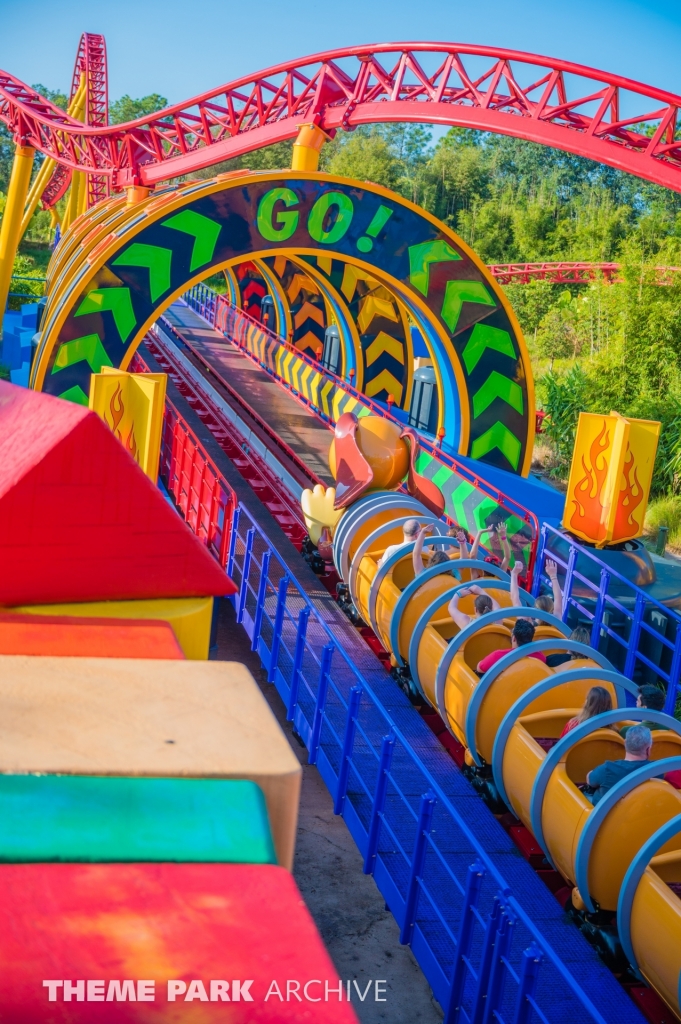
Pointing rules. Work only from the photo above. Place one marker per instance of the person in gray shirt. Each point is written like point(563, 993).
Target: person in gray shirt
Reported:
point(637, 744)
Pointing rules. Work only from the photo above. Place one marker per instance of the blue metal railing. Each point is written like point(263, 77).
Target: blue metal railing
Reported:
point(638, 634)
point(484, 957)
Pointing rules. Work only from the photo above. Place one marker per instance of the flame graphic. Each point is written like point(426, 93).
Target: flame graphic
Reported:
point(586, 496)
point(130, 442)
point(117, 410)
point(630, 497)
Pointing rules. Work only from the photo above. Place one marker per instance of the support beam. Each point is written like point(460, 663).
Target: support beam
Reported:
point(10, 229)
point(307, 148)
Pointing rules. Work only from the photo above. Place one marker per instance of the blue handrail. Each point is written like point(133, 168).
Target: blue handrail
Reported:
point(404, 824)
point(629, 642)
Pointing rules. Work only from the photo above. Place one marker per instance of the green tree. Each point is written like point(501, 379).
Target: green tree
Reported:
point(128, 109)
point(56, 96)
point(369, 157)
point(557, 336)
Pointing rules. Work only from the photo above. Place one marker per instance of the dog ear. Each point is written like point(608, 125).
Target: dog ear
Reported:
point(420, 487)
point(354, 475)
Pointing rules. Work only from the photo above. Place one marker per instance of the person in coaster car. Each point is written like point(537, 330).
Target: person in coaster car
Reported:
point(522, 634)
point(637, 744)
point(597, 702)
point(410, 532)
point(436, 558)
point(483, 603)
point(553, 605)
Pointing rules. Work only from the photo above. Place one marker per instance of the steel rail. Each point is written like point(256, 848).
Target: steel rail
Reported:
point(605, 117)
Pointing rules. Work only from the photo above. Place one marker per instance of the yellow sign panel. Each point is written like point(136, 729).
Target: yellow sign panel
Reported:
point(610, 477)
point(132, 405)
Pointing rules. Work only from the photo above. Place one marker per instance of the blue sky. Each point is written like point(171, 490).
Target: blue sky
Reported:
point(183, 47)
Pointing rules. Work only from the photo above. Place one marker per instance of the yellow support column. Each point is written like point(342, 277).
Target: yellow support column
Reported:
point(307, 148)
point(10, 229)
point(76, 109)
point(71, 211)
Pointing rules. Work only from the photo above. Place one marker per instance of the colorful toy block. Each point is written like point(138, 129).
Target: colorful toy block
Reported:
point(111, 818)
point(94, 943)
point(79, 520)
point(87, 637)
point(113, 716)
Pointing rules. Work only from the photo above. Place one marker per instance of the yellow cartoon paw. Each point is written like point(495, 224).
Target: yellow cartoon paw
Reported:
point(318, 510)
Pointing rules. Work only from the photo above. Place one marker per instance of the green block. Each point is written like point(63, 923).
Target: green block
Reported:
point(89, 818)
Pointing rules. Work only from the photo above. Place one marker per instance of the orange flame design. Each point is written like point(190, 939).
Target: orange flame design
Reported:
point(131, 443)
point(586, 517)
point(629, 498)
point(117, 410)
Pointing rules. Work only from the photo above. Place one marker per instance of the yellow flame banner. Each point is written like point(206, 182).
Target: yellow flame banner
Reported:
point(610, 477)
point(132, 405)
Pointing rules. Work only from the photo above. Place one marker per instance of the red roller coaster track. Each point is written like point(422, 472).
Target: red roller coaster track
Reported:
point(614, 120)
point(570, 273)
point(91, 62)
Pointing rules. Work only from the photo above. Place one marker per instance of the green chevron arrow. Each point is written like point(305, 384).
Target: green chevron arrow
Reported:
point(497, 386)
point(75, 394)
point(482, 512)
point(155, 259)
point(117, 301)
point(88, 348)
point(458, 292)
point(463, 491)
point(498, 436)
point(420, 258)
point(204, 230)
point(483, 337)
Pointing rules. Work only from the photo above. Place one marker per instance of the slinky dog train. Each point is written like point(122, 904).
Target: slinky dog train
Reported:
point(623, 855)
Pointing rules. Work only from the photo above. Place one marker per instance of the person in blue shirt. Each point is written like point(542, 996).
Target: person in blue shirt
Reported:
point(637, 745)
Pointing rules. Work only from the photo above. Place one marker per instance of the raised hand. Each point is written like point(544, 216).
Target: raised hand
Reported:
point(551, 569)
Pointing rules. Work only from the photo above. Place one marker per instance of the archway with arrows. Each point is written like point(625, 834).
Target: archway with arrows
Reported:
point(361, 244)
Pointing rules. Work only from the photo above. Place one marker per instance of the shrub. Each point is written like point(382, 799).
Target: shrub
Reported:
point(564, 399)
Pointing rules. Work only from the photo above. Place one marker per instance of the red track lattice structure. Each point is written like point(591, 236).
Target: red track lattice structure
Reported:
point(608, 118)
point(91, 62)
point(570, 273)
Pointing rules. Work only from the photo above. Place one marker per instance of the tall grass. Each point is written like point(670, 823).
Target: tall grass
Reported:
point(665, 512)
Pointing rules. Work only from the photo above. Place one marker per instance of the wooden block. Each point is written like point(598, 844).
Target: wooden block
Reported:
point(160, 923)
point(87, 637)
point(189, 617)
point(114, 818)
point(116, 716)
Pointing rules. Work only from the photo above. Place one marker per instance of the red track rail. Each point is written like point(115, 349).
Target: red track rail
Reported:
point(91, 62)
point(267, 487)
point(569, 273)
point(302, 473)
point(605, 117)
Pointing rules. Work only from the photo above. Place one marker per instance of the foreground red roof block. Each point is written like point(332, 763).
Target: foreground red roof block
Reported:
point(133, 943)
point(63, 636)
point(79, 520)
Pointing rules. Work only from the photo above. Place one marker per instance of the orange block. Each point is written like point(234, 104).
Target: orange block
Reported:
point(64, 636)
point(610, 477)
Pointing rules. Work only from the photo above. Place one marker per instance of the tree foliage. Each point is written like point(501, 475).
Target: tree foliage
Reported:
point(128, 109)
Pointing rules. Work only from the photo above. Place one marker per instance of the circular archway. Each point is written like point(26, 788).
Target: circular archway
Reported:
point(107, 298)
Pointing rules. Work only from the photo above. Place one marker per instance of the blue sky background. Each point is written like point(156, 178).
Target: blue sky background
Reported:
point(180, 48)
